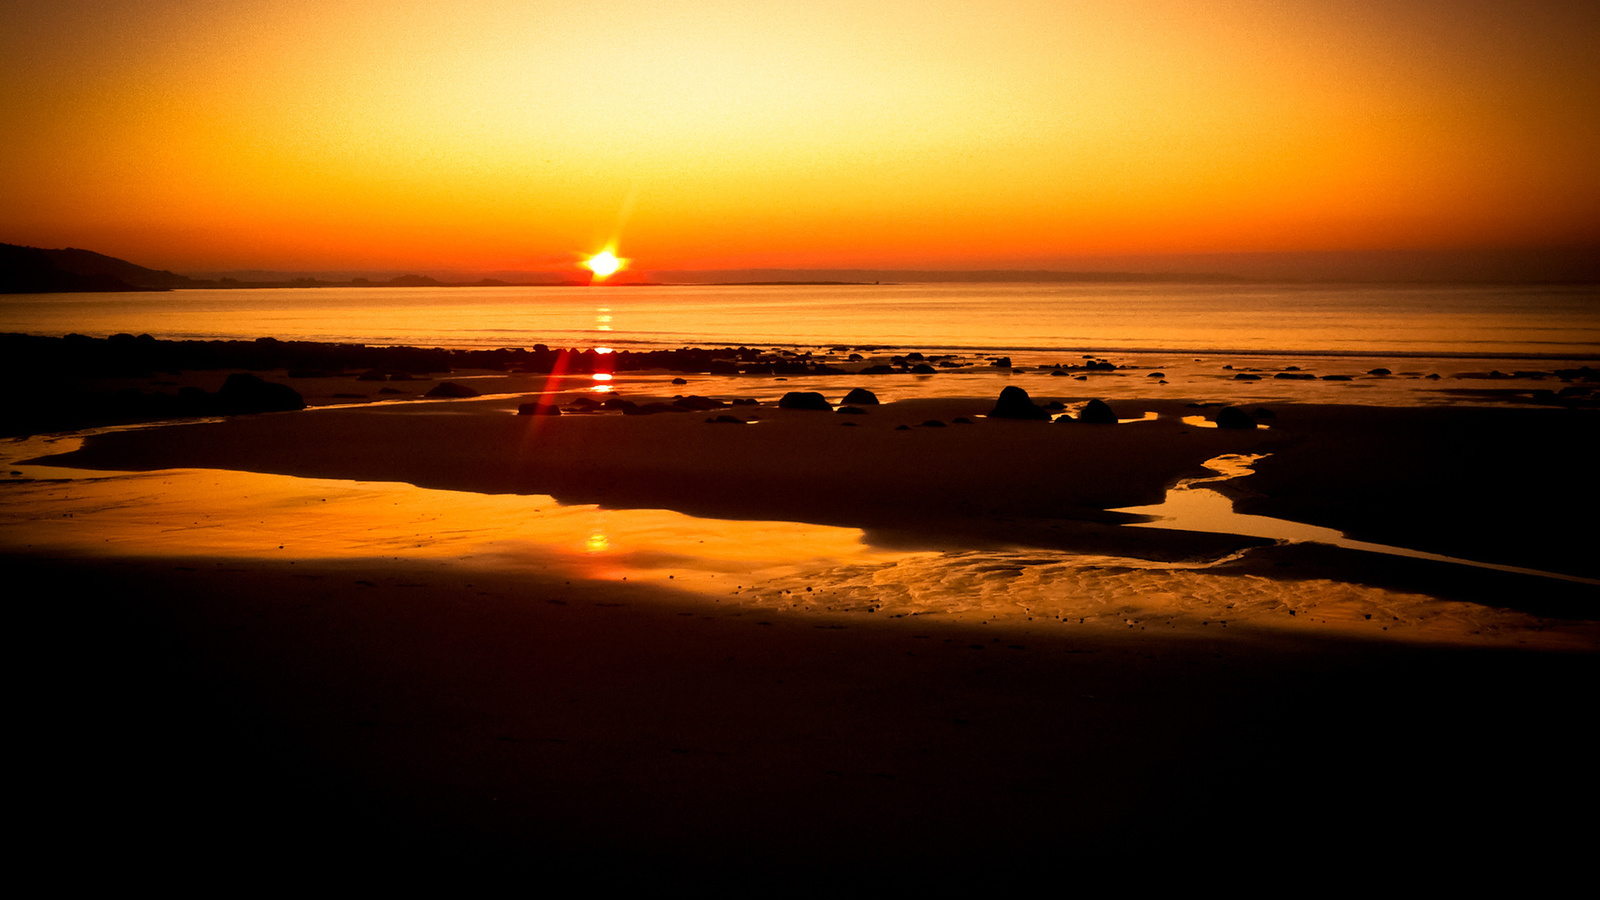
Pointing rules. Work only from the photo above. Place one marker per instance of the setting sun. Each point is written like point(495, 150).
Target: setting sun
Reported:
point(603, 264)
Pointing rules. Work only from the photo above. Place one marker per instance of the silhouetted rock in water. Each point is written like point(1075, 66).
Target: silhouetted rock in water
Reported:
point(1065, 419)
point(1234, 417)
point(1379, 371)
point(1014, 403)
point(923, 369)
point(1059, 372)
point(650, 409)
point(1003, 362)
point(1337, 378)
point(1246, 376)
point(1295, 376)
point(745, 401)
point(1156, 375)
point(696, 402)
point(537, 408)
point(805, 400)
point(1097, 413)
point(243, 393)
point(449, 390)
point(680, 381)
point(850, 411)
point(860, 397)
point(877, 370)
point(932, 423)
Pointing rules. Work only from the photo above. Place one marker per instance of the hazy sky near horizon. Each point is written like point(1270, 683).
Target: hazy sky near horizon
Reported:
point(488, 135)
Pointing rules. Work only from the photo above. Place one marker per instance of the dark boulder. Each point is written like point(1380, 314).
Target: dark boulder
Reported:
point(1234, 417)
point(449, 390)
point(923, 369)
point(860, 397)
point(1014, 403)
point(1098, 412)
point(697, 402)
point(243, 393)
point(805, 400)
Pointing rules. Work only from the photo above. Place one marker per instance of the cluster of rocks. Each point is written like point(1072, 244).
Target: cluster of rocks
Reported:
point(240, 394)
point(588, 404)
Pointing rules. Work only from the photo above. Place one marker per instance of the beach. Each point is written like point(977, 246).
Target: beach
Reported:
point(807, 639)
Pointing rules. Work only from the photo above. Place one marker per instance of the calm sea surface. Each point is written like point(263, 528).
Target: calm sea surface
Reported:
point(1510, 322)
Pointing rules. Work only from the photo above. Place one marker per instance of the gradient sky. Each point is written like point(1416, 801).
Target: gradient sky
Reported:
point(486, 135)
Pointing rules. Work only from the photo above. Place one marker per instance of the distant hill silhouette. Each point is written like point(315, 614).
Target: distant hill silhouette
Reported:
point(31, 270)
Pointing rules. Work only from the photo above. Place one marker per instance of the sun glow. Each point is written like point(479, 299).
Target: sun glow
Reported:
point(603, 264)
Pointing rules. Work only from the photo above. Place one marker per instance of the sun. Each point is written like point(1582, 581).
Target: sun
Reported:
point(603, 264)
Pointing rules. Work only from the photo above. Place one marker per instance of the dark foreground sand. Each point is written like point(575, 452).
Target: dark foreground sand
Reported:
point(390, 712)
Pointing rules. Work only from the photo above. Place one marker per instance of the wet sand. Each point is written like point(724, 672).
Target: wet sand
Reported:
point(409, 706)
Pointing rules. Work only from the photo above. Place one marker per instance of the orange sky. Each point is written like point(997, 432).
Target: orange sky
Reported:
point(496, 135)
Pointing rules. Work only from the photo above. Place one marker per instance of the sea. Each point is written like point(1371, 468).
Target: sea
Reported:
point(1221, 344)
point(1037, 321)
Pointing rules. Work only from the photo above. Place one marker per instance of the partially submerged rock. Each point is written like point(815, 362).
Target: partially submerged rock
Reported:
point(1014, 403)
point(1234, 417)
point(449, 390)
point(1098, 412)
point(805, 400)
point(245, 393)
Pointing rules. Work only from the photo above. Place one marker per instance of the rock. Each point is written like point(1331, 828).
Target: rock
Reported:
point(1014, 403)
point(850, 411)
point(923, 369)
point(696, 402)
point(932, 423)
point(1003, 362)
point(1246, 376)
point(449, 390)
point(680, 381)
point(1379, 371)
point(243, 393)
point(1234, 417)
point(860, 397)
point(538, 409)
point(1098, 412)
point(805, 400)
